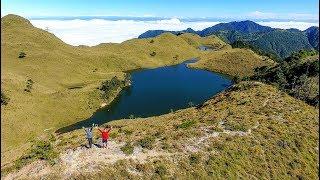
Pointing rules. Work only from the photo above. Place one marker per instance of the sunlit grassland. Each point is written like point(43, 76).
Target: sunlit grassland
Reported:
point(55, 68)
point(234, 62)
point(282, 143)
point(65, 78)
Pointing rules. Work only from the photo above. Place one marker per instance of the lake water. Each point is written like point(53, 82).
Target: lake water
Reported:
point(205, 48)
point(159, 91)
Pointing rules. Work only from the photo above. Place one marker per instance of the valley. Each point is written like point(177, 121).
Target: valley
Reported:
point(241, 123)
point(54, 67)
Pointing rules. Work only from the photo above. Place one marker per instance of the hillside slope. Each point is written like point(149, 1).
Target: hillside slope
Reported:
point(251, 131)
point(210, 41)
point(282, 42)
point(65, 77)
point(313, 36)
point(233, 62)
point(55, 84)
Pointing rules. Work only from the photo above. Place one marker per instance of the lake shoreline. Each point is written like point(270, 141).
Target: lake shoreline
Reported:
point(108, 106)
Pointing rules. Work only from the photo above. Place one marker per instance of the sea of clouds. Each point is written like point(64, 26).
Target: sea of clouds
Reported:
point(95, 31)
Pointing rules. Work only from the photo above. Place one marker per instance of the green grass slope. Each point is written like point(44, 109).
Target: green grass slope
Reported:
point(56, 67)
point(65, 78)
point(251, 131)
point(211, 41)
point(234, 62)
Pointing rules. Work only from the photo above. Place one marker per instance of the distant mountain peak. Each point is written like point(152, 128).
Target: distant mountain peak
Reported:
point(313, 36)
point(244, 22)
point(189, 29)
point(312, 28)
point(246, 26)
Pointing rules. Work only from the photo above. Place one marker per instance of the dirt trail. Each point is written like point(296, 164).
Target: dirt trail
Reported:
point(76, 160)
point(82, 159)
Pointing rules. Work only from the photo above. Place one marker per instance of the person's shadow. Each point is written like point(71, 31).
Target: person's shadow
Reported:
point(97, 145)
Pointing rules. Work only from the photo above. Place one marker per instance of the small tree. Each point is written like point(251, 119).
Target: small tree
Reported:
point(153, 54)
point(236, 79)
point(29, 85)
point(127, 80)
point(281, 79)
point(4, 99)
point(22, 54)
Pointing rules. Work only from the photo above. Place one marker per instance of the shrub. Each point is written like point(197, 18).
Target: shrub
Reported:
point(52, 137)
point(161, 170)
point(127, 149)
point(109, 86)
point(152, 41)
point(114, 135)
point(141, 167)
point(236, 126)
point(186, 124)
point(42, 150)
point(22, 54)
point(294, 76)
point(165, 146)
point(29, 85)
point(4, 99)
point(194, 159)
point(243, 101)
point(127, 132)
point(127, 80)
point(153, 54)
point(236, 79)
point(147, 142)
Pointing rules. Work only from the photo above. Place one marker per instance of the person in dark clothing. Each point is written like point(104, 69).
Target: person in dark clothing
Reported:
point(89, 134)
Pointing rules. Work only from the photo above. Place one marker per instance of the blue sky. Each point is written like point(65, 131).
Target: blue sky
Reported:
point(277, 9)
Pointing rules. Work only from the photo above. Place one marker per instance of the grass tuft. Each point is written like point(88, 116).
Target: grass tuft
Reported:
point(186, 124)
point(127, 148)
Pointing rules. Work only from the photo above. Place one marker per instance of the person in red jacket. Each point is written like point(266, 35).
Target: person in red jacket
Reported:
point(105, 135)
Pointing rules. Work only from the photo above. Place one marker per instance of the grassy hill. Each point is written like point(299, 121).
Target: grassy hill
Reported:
point(250, 131)
point(64, 78)
point(211, 41)
point(234, 62)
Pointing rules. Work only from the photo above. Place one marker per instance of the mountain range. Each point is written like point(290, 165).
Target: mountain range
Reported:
point(279, 42)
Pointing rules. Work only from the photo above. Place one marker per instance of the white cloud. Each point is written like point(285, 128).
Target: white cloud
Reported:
point(290, 16)
point(301, 16)
point(96, 31)
point(291, 24)
point(262, 15)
